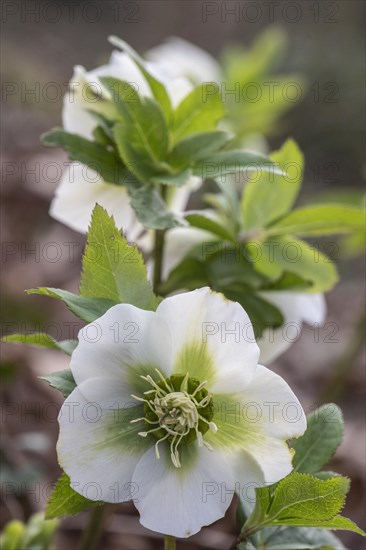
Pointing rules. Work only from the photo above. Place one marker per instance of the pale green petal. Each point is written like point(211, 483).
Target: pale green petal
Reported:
point(259, 421)
point(204, 344)
point(99, 447)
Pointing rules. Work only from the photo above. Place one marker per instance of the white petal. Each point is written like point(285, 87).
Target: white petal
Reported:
point(178, 242)
point(259, 420)
point(99, 447)
point(212, 339)
point(248, 476)
point(75, 117)
point(296, 308)
point(181, 58)
point(80, 189)
point(313, 308)
point(180, 501)
point(280, 413)
point(123, 344)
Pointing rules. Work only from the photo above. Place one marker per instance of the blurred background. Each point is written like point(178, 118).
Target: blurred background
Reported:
point(41, 43)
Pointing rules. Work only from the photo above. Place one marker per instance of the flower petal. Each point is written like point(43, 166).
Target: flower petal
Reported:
point(179, 501)
point(80, 189)
point(259, 420)
point(176, 55)
point(296, 308)
point(200, 323)
point(99, 447)
point(123, 344)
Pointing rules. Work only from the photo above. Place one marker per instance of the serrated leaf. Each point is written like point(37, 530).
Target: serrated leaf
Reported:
point(268, 197)
point(64, 501)
point(61, 380)
point(43, 340)
point(199, 112)
point(320, 219)
point(322, 437)
point(90, 153)
point(300, 500)
point(117, 272)
point(87, 308)
point(340, 522)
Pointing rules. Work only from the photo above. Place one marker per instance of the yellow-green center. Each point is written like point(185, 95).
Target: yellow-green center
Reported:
point(177, 409)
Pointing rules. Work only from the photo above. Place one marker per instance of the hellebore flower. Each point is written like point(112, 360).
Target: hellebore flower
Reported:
point(80, 187)
point(172, 410)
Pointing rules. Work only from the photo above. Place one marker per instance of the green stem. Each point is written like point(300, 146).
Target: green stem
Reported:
point(94, 530)
point(158, 258)
point(169, 543)
point(159, 249)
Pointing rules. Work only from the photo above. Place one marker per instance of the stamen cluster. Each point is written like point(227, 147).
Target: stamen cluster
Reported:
point(180, 408)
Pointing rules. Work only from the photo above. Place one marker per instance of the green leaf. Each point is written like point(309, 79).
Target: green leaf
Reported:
point(158, 89)
point(323, 435)
point(175, 180)
point(262, 314)
point(199, 112)
point(87, 308)
point(142, 134)
point(267, 197)
point(64, 501)
point(151, 209)
point(142, 138)
point(320, 219)
point(300, 500)
point(297, 538)
point(198, 146)
point(43, 340)
point(112, 268)
point(190, 274)
point(201, 221)
point(62, 380)
point(288, 281)
point(90, 153)
point(340, 522)
point(277, 255)
point(243, 163)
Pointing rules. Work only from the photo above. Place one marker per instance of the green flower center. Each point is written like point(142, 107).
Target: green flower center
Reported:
point(181, 411)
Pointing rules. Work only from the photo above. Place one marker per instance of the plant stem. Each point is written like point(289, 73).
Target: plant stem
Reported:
point(159, 249)
point(169, 543)
point(94, 530)
point(158, 258)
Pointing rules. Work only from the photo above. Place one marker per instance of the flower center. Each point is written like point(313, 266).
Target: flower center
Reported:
point(181, 411)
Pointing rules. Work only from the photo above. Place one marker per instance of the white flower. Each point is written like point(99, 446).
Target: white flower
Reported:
point(81, 188)
point(182, 58)
point(296, 307)
point(172, 410)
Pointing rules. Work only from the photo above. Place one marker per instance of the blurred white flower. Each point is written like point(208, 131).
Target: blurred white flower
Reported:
point(182, 58)
point(165, 416)
point(81, 188)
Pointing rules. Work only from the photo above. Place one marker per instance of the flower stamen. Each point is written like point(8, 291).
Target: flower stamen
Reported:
point(181, 409)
